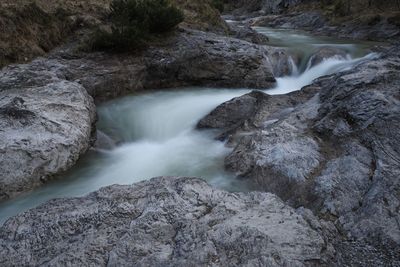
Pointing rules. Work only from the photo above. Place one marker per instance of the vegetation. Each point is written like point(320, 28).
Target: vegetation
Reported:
point(218, 4)
point(135, 21)
point(28, 31)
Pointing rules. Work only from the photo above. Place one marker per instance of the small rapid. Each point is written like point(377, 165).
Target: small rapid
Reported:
point(155, 135)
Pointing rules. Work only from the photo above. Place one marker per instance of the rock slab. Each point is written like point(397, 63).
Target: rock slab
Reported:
point(46, 123)
point(335, 151)
point(166, 221)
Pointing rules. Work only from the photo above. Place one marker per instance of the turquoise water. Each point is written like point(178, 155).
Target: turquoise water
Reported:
point(155, 133)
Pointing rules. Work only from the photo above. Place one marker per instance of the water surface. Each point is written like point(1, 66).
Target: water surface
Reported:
point(155, 133)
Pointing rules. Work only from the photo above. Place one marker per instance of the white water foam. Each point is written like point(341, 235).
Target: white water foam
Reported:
point(157, 137)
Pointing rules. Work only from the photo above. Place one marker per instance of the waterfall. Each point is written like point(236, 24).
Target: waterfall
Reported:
point(156, 135)
point(293, 67)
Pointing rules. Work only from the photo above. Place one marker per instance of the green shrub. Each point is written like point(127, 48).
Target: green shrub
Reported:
point(134, 21)
point(218, 4)
point(341, 8)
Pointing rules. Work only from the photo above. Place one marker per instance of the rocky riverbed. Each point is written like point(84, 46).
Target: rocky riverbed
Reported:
point(331, 147)
point(358, 20)
point(165, 222)
point(325, 158)
point(69, 81)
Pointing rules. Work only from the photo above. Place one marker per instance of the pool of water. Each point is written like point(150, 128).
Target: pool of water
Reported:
point(155, 133)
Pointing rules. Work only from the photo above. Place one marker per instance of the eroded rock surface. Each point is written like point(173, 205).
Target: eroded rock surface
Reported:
point(336, 152)
point(325, 53)
point(46, 123)
point(189, 58)
point(165, 222)
point(370, 28)
point(47, 115)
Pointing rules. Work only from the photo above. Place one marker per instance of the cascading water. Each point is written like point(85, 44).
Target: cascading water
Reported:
point(156, 136)
point(329, 66)
point(293, 67)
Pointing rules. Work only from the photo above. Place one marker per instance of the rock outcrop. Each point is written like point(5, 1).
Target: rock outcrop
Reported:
point(305, 20)
point(248, 112)
point(47, 113)
point(325, 53)
point(46, 124)
point(165, 222)
point(190, 57)
point(382, 29)
point(48, 116)
point(247, 33)
point(33, 28)
point(336, 152)
point(360, 20)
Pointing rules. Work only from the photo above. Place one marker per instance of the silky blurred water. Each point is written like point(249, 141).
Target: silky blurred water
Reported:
point(156, 136)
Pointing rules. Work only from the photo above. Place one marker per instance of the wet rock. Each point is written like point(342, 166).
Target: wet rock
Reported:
point(103, 141)
point(48, 116)
point(198, 58)
point(234, 113)
point(248, 34)
point(326, 53)
point(283, 62)
point(315, 22)
point(362, 107)
point(46, 124)
point(165, 222)
point(248, 112)
point(189, 58)
point(336, 153)
point(277, 153)
point(304, 20)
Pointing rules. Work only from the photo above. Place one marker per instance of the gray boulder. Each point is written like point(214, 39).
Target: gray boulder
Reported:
point(336, 153)
point(308, 20)
point(47, 115)
point(325, 53)
point(245, 32)
point(199, 58)
point(46, 123)
point(248, 112)
point(165, 222)
point(362, 28)
point(188, 58)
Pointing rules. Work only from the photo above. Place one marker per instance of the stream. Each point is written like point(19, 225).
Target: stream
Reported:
point(155, 133)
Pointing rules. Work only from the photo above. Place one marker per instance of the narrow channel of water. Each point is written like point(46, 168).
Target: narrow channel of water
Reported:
point(155, 136)
point(302, 44)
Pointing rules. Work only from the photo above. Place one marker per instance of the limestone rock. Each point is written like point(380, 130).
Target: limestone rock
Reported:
point(46, 123)
point(325, 53)
point(165, 222)
point(189, 58)
point(336, 153)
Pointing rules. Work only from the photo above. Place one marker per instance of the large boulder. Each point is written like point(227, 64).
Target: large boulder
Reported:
point(165, 222)
point(48, 116)
point(325, 53)
point(46, 124)
point(247, 112)
point(336, 153)
point(245, 32)
point(309, 20)
point(187, 58)
point(199, 58)
point(360, 27)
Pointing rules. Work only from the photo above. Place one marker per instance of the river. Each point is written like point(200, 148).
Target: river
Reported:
point(155, 132)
